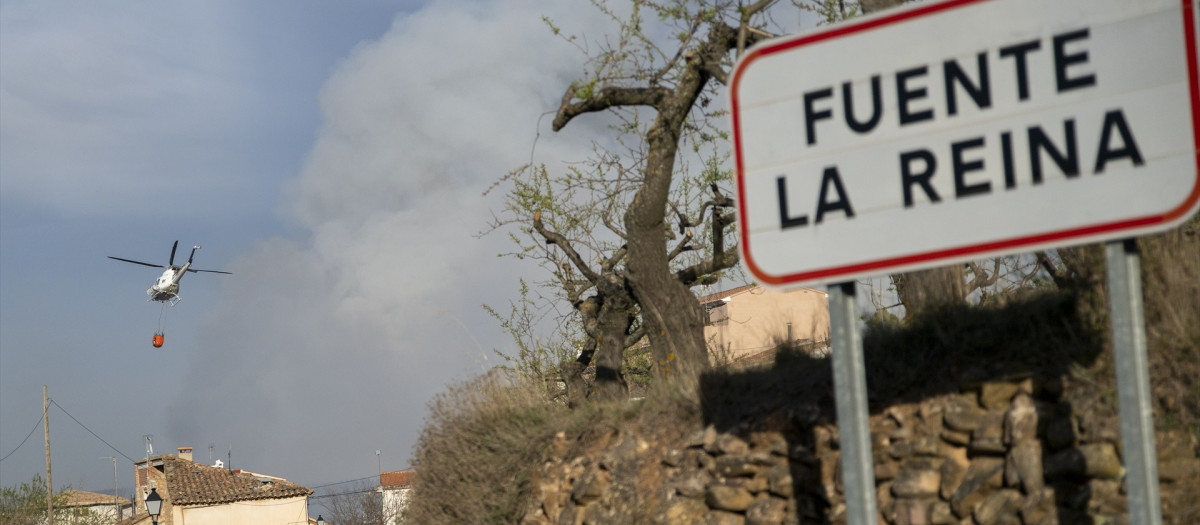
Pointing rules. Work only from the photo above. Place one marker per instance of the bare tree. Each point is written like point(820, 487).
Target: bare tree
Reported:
point(627, 234)
point(359, 504)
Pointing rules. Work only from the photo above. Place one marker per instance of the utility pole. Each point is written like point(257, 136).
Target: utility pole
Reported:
point(49, 482)
point(116, 502)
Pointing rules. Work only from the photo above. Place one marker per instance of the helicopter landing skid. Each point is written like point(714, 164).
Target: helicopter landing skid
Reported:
point(171, 298)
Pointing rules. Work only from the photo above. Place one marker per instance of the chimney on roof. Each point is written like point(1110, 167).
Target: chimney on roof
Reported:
point(185, 453)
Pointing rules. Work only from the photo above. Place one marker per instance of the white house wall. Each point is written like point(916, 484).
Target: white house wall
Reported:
point(757, 320)
point(260, 512)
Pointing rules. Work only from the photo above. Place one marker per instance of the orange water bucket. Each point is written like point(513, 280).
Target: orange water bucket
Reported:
point(157, 341)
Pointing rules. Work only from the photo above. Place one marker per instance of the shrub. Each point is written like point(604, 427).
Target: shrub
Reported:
point(481, 440)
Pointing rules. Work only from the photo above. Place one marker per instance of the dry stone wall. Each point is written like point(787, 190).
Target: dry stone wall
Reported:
point(999, 452)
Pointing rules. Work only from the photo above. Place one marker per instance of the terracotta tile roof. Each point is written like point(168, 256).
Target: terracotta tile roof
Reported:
point(705, 299)
point(397, 479)
point(192, 483)
point(711, 298)
point(83, 498)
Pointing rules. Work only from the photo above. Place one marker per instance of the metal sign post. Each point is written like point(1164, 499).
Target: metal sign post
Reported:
point(1133, 381)
point(850, 392)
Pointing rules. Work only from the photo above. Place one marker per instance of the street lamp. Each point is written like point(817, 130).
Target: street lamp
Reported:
point(154, 505)
point(320, 520)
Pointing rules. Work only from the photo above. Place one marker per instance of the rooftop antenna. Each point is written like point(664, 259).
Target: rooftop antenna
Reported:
point(210, 451)
point(149, 444)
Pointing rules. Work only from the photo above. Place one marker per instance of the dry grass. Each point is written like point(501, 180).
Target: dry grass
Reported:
point(1171, 285)
point(479, 444)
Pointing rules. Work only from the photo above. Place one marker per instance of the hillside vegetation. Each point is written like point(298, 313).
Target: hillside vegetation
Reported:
point(759, 445)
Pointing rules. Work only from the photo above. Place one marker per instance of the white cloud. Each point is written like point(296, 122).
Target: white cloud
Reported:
point(337, 341)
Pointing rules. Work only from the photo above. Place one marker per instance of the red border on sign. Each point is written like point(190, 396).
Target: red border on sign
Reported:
point(1052, 237)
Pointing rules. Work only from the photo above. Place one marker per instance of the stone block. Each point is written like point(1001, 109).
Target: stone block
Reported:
point(927, 446)
point(887, 470)
point(693, 483)
point(728, 444)
point(766, 511)
point(703, 438)
point(955, 437)
point(717, 517)
point(724, 497)
point(735, 466)
point(961, 415)
point(940, 514)
point(1039, 507)
point(897, 450)
point(1023, 467)
point(983, 476)
point(997, 395)
point(771, 442)
point(952, 472)
point(917, 483)
point(999, 507)
point(756, 484)
point(913, 512)
point(1021, 420)
point(685, 511)
point(988, 437)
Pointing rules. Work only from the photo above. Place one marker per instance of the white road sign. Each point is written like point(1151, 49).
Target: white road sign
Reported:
point(956, 130)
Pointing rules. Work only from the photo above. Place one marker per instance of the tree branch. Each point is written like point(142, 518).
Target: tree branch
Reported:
point(636, 335)
point(701, 272)
point(981, 278)
point(605, 98)
point(684, 246)
point(563, 244)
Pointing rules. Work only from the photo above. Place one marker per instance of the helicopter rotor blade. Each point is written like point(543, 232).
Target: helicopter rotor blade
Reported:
point(172, 260)
point(210, 271)
point(137, 262)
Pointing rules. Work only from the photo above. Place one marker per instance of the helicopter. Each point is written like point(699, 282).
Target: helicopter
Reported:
point(166, 288)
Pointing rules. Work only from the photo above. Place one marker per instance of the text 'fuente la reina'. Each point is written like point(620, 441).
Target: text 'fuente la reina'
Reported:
point(964, 159)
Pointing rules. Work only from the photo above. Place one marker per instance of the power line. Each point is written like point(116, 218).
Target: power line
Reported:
point(35, 426)
point(341, 482)
point(114, 449)
point(323, 496)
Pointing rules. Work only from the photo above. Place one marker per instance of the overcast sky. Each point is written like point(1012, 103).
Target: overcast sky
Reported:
point(331, 155)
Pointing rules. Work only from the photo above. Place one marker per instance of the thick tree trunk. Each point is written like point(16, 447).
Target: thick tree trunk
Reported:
point(929, 290)
point(670, 311)
point(614, 324)
point(673, 321)
point(607, 317)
